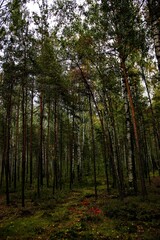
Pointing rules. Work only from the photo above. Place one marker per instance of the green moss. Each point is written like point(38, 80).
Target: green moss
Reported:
point(26, 227)
point(77, 214)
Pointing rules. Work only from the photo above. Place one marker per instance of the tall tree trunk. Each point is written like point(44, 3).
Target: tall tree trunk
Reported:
point(2, 168)
point(61, 154)
point(115, 144)
point(16, 146)
point(7, 150)
point(79, 159)
point(55, 159)
point(8, 140)
point(154, 122)
point(97, 108)
point(71, 151)
point(129, 149)
point(112, 168)
point(48, 144)
point(23, 144)
point(4, 151)
point(93, 147)
point(26, 120)
point(134, 122)
point(41, 140)
point(31, 138)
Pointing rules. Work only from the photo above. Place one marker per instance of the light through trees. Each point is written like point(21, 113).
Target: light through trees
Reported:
point(72, 101)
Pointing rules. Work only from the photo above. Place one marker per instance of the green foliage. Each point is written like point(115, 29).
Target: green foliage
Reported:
point(49, 69)
point(76, 63)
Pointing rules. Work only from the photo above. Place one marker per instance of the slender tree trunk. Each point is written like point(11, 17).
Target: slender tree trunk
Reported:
point(93, 148)
point(7, 145)
point(23, 144)
point(48, 144)
point(115, 144)
point(61, 153)
point(31, 139)
point(97, 109)
point(140, 162)
point(146, 150)
point(7, 150)
point(16, 147)
point(2, 168)
point(133, 162)
point(129, 154)
point(55, 163)
point(3, 154)
point(79, 159)
point(26, 120)
point(41, 141)
point(71, 150)
point(154, 122)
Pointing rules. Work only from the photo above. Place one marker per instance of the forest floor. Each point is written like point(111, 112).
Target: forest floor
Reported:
point(77, 215)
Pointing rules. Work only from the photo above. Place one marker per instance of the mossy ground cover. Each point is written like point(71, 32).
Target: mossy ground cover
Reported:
point(77, 215)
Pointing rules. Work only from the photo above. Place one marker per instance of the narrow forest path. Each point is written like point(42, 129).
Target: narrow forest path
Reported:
point(76, 215)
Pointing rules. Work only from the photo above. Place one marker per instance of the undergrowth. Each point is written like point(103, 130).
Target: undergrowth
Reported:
point(76, 214)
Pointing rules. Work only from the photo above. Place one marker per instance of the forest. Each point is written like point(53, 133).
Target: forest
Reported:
point(80, 119)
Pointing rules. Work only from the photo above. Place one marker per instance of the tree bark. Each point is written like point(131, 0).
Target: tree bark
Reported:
point(23, 144)
point(129, 154)
point(93, 147)
point(31, 139)
point(48, 144)
point(134, 122)
point(41, 140)
point(55, 159)
point(16, 147)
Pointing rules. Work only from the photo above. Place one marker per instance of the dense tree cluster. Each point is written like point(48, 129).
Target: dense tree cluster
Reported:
point(79, 99)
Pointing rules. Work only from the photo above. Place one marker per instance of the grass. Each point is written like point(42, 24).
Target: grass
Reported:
point(77, 215)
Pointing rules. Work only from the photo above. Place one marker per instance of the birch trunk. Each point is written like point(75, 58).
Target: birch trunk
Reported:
point(134, 122)
point(128, 137)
